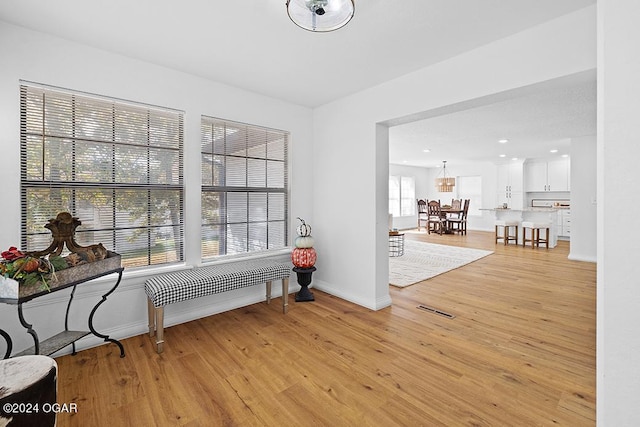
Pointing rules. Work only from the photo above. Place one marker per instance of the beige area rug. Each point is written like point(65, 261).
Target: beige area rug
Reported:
point(421, 261)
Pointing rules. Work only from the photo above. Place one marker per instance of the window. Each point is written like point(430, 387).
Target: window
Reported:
point(244, 188)
point(402, 196)
point(116, 166)
point(470, 187)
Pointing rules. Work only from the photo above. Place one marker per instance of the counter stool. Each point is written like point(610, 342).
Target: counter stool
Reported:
point(506, 231)
point(535, 233)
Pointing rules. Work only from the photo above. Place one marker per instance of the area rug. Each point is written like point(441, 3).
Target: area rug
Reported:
point(421, 261)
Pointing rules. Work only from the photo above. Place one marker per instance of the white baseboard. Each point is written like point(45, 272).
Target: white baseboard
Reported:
point(337, 291)
point(579, 257)
point(175, 314)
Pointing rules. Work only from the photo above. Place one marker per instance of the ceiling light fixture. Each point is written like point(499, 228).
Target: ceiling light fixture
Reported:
point(445, 184)
point(503, 141)
point(320, 15)
point(553, 150)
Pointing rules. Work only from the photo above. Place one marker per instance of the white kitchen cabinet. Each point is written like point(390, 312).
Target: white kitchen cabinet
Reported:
point(510, 184)
point(563, 223)
point(536, 176)
point(510, 177)
point(558, 175)
point(547, 176)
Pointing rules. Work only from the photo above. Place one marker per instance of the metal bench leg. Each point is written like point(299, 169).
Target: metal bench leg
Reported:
point(269, 292)
point(285, 296)
point(159, 328)
point(152, 318)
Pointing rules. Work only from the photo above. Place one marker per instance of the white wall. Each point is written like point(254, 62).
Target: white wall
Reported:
point(583, 199)
point(489, 172)
point(618, 343)
point(351, 127)
point(40, 58)
point(425, 188)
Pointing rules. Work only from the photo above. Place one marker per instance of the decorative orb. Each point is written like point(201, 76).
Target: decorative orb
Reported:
point(304, 242)
point(303, 257)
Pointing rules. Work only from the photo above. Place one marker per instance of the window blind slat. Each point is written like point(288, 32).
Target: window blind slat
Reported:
point(244, 188)
point(117, 166)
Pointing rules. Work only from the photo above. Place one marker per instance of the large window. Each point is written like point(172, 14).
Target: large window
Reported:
point(244, 188)
point(116, 166)
point(470, 187)
point(402, 195)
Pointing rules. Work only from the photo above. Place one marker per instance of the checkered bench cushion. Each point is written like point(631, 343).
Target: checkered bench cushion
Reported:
point(185, 285)
point(198, 282)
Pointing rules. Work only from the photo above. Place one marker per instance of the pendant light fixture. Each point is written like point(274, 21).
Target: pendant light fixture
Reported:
point(320, 15)
point(445, 184)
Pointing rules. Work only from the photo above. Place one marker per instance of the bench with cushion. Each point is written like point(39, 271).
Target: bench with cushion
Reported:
point(185, 285)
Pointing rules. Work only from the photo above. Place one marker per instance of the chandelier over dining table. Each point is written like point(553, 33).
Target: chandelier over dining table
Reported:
point(444, 183)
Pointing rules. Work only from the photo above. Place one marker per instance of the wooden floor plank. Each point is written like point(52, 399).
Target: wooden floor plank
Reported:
point(520, 351)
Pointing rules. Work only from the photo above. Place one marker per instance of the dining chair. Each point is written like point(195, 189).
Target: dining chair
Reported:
point(459, 225)
point(435, 217)
point(456, 204)
point(423, 214)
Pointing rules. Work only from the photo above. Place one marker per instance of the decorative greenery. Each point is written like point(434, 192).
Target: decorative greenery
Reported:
point(28, 270)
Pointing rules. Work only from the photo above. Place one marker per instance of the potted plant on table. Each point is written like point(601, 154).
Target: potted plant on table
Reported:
point(19, 268)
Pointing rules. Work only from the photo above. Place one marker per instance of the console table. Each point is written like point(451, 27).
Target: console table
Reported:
point(66, 337)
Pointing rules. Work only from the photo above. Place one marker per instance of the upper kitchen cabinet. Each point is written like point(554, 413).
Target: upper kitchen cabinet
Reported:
point(510, 179)
point(547, 176)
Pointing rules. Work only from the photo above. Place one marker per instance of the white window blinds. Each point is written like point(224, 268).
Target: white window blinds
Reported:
point(117, 166)
point(402, 195)
point(244, 188)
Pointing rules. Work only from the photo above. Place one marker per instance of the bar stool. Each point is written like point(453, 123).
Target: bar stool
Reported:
point(535, 233)
point(506, 233)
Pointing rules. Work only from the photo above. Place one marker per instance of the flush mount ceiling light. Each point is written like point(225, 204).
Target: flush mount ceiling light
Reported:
point(320, 15)
point(445, 184)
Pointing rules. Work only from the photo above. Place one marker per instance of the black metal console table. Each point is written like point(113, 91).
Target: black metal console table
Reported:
point(66, 337)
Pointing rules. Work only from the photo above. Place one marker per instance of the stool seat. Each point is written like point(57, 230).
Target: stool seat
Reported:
point(535, 233)
point(531, 224)
point(506, 235)
point(505, 223)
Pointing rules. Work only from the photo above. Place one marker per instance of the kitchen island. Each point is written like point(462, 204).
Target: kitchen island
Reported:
point(530, 214)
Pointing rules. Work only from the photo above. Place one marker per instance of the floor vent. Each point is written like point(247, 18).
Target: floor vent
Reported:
point(436, 311)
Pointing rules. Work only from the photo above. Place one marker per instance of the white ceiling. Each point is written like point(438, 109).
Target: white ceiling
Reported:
point(534, 120)
point(253, 45)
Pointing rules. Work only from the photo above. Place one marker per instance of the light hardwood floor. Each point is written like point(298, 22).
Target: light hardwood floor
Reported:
point(520, 352)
